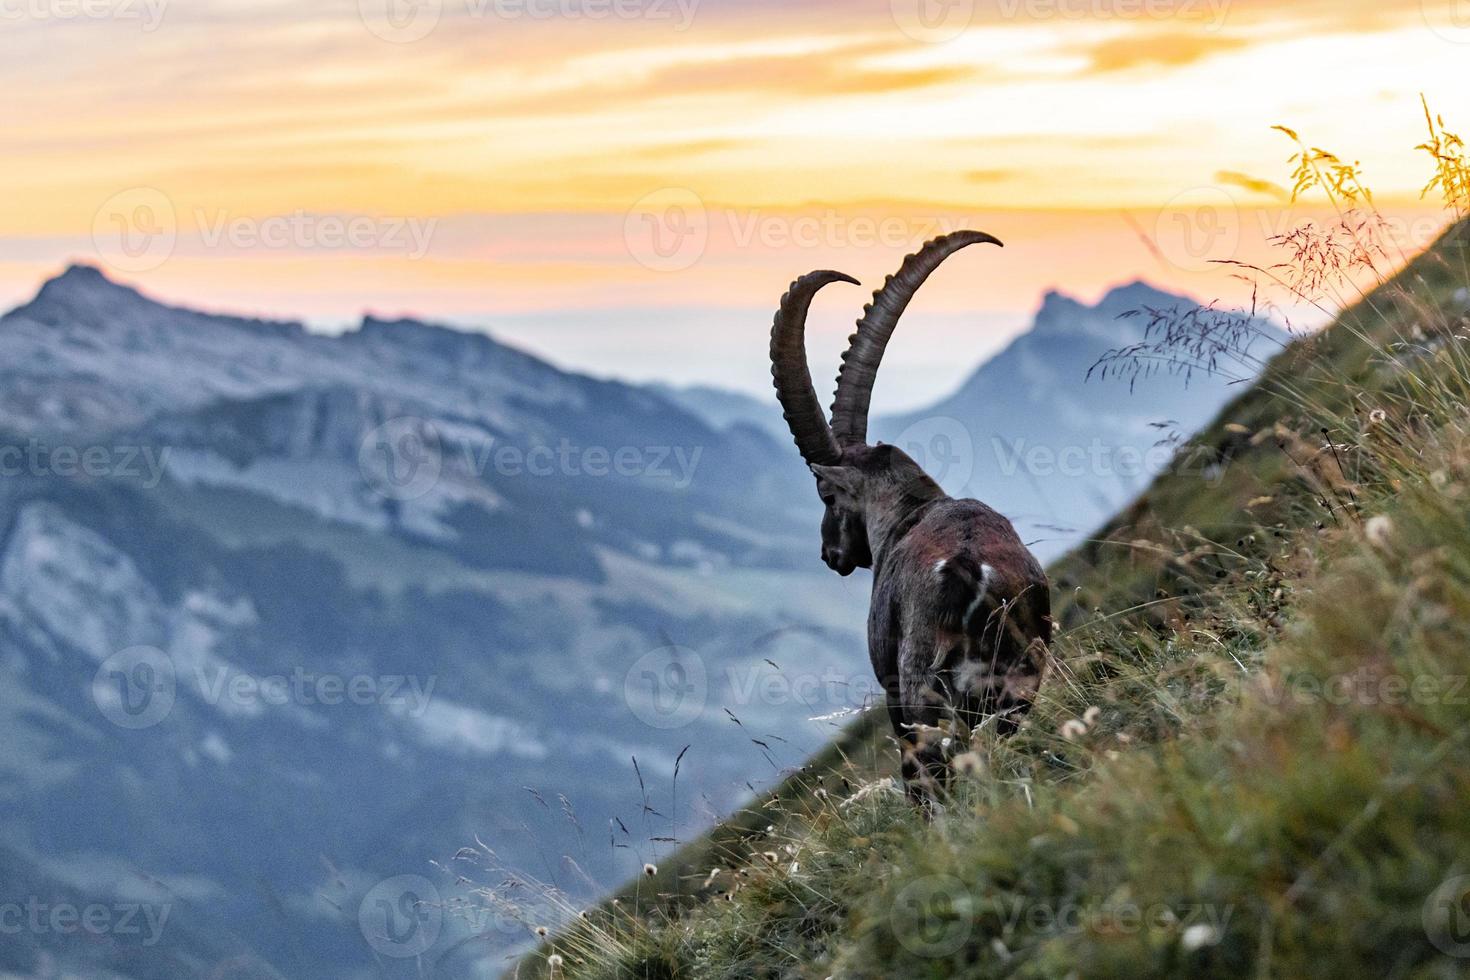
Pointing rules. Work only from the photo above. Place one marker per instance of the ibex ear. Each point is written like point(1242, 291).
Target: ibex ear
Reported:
point(843, 478)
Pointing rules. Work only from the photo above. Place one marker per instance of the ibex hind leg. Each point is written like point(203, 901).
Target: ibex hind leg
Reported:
point(933, 733)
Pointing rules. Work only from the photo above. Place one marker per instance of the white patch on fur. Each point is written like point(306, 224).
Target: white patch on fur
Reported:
point(940, 565)
point(986, 572)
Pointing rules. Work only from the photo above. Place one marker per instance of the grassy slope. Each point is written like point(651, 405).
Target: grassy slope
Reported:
point(1227, 809)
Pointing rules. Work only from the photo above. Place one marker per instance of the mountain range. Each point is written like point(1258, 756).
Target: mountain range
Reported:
point(288, 620)
point(1039, 431)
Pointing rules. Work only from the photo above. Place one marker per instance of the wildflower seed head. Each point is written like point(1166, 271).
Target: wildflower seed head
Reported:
point(1378, 529)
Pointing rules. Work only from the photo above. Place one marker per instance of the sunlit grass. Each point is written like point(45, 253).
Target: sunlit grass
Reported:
point(1251, 760)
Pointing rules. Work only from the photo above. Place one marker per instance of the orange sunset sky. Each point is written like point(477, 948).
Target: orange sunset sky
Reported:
point(626, 186)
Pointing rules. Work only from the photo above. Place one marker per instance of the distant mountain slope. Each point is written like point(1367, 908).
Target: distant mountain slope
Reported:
point(1058, 453)
point(531, 576)
point(1027, 431)
point(723, 408)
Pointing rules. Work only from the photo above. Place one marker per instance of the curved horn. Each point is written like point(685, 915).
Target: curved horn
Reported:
point(865, 347)
point(789, 371)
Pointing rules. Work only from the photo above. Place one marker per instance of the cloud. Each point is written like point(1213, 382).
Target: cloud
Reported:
point(1254, 184)
point(990, 176)
point(1159, 50)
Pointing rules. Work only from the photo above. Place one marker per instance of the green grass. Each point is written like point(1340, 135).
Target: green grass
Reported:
point(1252, 760)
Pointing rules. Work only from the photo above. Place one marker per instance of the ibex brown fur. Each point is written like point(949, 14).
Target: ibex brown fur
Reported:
point(961, 611)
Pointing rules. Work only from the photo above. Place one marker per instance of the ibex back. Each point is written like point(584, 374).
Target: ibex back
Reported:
point(961, 611)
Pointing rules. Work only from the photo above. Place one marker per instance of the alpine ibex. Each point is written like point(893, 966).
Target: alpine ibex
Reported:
point(961, 610)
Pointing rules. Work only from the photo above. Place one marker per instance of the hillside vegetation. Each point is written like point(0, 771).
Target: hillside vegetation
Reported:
point(1250, 759)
